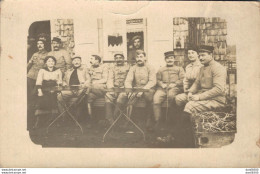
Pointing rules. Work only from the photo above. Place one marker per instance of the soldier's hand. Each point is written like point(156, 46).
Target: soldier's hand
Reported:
point(195, 98)
point(172, 85)
point(164, 85)
point(189, 96)
point(82, 85)
point(139, 94)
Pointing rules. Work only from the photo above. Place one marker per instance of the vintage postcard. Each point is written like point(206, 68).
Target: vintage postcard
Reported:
point(129, 84)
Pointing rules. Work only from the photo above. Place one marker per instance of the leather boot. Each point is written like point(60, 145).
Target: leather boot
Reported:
point(188, 132)
point(157, 112)
point(109, 112)
point(149, 123)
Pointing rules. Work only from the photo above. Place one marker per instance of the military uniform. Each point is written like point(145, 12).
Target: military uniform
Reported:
point(192, 70)
point(74, 77)
point(98, 77)
point(63, 59)
point(141, 77)
point(116, 78)
point(168, 75)
point(210, 86)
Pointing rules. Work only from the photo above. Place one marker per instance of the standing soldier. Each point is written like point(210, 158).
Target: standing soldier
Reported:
point(169, 81)
point(33, 67)
point(98, 73)
point(192, 70)
point(142, 76)
point(116, 78)
point(62, 56)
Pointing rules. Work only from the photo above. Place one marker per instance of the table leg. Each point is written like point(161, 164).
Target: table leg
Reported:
point(67, 110)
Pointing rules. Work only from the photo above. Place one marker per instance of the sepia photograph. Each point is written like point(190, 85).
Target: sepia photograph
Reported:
point(190, 102)
point(133, 81)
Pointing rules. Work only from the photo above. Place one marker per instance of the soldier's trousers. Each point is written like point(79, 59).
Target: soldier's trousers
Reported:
point(161, 95)
point(197, 106)
point(67, 97)
point(95, 93)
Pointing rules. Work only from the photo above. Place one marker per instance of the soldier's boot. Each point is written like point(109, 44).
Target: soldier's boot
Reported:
point(158, 127)
point(89, 124)
point(187, 130)
point(109, 112)
point(149, 122)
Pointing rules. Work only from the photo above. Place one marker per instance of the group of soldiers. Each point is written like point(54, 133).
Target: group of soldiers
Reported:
point(201, 87)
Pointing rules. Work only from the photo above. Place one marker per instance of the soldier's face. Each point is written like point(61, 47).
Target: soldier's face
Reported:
point(192, 55)
point(140, 59)
point(205, 57)
point(40, 45)
point(55, 45)
point(50, 63)
point(137, 43)
point(93, 61)
point(76, 62)
point(169, 60)
point(119, 60)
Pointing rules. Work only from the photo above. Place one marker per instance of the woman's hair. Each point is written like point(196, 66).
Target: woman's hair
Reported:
point(97, 58)
point(50, 57)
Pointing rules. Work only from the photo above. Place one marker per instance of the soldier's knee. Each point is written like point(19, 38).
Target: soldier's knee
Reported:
point(157, 98)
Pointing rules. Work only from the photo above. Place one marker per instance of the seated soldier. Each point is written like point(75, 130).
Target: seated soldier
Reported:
point(75, 76)
point(142, 76)
point(208, 90)
point(98, 73)
point(169, 81)
point(192, 70)
point(116, 79)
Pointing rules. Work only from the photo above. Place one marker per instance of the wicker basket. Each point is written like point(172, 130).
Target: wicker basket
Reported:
point(214, 129)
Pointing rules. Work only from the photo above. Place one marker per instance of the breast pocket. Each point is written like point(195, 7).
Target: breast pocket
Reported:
point(97, 74)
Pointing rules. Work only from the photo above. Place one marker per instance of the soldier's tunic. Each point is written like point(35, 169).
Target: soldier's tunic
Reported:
point(192, 71)
point(63, 59)
point(141, 77)
point(116, 78)
point(74, 77)
point(99, 76)
point(168, 75)
point(210, 86)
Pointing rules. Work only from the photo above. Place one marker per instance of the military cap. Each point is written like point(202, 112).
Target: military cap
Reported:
point(119, 54)
point(140, 52)
point(192, 47)
point(75, 57)
point(206, 48)
point(136, 37)
point(168, 53)
point(56, 39)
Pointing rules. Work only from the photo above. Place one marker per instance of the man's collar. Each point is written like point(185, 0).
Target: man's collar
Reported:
point(95, 66)
point(210, 63)
point(140, 65)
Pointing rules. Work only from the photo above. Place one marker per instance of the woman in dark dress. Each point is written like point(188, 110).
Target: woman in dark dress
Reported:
point(47, 79)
